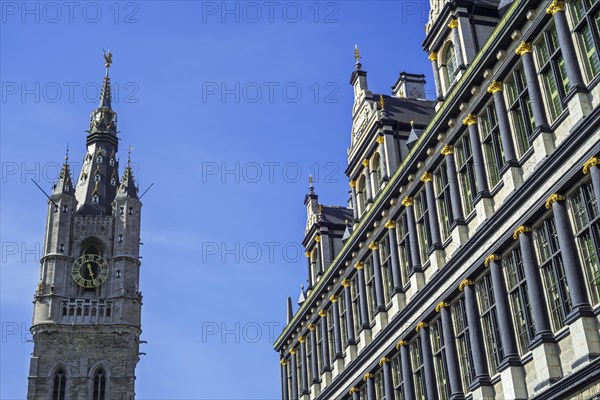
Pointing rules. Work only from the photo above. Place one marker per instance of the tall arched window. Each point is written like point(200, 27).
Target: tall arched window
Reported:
point(377, 169)
point(59, 385)
point(451, 65)
point(100, 385)
point(361, 194)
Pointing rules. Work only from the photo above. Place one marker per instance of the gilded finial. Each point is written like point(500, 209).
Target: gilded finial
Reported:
point(356, 53)
point(107, 59)
point(412, 123)
point(310, 180)
point(381, 102)
point(320, 209)
point(67, 153)
point(129, 155)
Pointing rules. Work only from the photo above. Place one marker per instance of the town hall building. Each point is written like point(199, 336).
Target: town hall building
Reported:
point(466, 264)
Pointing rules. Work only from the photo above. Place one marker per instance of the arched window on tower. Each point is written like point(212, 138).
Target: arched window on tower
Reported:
point(99, 385)
point(451, 65)
point(59, 385)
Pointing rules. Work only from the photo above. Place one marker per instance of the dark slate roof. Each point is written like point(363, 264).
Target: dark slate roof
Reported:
point(337, 215)
point(407, 110)
point(414, 136)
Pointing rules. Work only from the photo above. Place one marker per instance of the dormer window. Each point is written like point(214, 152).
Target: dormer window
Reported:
point(99, 159)
point(95, 199)
point(67, 187)
point(113, 181)
point(98, 177)
point(112, 162)
point(65, 209)
point(121, 210)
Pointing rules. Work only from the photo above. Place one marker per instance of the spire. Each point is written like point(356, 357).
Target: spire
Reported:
point(65, 184)
point(359, 77)
point(290, 311)
point(103, 119)
point(311, 195)
point(127, 188)
point(106, 96)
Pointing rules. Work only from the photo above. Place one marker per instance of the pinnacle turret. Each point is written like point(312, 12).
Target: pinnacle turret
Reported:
point(127, 187)
point(65, 183)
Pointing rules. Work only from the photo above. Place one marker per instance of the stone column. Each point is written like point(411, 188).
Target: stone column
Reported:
point(294, 367)
point(314, 365)
point(355, 393)
point(388, 379)
point(394, 256)
point(573, 271)
point(436, 75)
point(407, 377)
point(453, 373)
point(413, 236)
point(460, 60)
point(508, 145)
point(285, 394)
point(370, 379)
point(428, 367)
point(379, 295)
point(505, 322)
point(482, 376)
point(382, 158)
point(354, 201)
point(591, 167)
point(325, 358)
point(303, 369)
point(533, 86)
point(478, 160)
point(362, 298)
point(337, 341)
point(567, 48)
point(537, 296)
point(434, 226)
point(368, 188)
point(457, 210)
point(350, 334)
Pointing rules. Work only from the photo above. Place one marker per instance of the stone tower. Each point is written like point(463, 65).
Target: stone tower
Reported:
point(87, 307)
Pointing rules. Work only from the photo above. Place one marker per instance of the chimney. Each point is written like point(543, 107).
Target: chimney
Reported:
point(409, 86)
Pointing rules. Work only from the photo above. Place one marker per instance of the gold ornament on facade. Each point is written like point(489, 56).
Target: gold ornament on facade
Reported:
point(354, 390)
point(322, 313)
point(381, 102)
point(391, 224)
point(352, 184)
point(401, 343)
point(373, 246)
point(453, 24)
point(495, 86)
point(555, 6)
point(356, 53)
point(433, 56)
point(447, 149)
point(592, 162)
point(312, 327)
point(407, 202)
point(441, 305)
point(367, 376)
point(359, 265)
point(553, 199)
point(307, 254)
point(523, 48)
point(421, 325)
point(292, 351)
point(490, 259)
point(318, 238)
point(520, 230)
point(380, 139)
point(333, 298)
point(384, 360)
point(464, 284)
point(283, 362)
point(345, 283)
point(470, 120)
point(301, 339)
point(365, 163)
point(426, 177)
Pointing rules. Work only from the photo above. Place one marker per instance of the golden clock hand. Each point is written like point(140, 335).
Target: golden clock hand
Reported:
point(90, 270)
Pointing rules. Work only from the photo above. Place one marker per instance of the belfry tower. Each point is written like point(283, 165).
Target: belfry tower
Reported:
point(87, 307)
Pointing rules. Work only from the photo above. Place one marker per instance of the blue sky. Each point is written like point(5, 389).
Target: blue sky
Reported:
point(229, 107)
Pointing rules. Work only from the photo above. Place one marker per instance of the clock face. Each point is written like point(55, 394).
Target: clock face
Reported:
point(89, 271)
